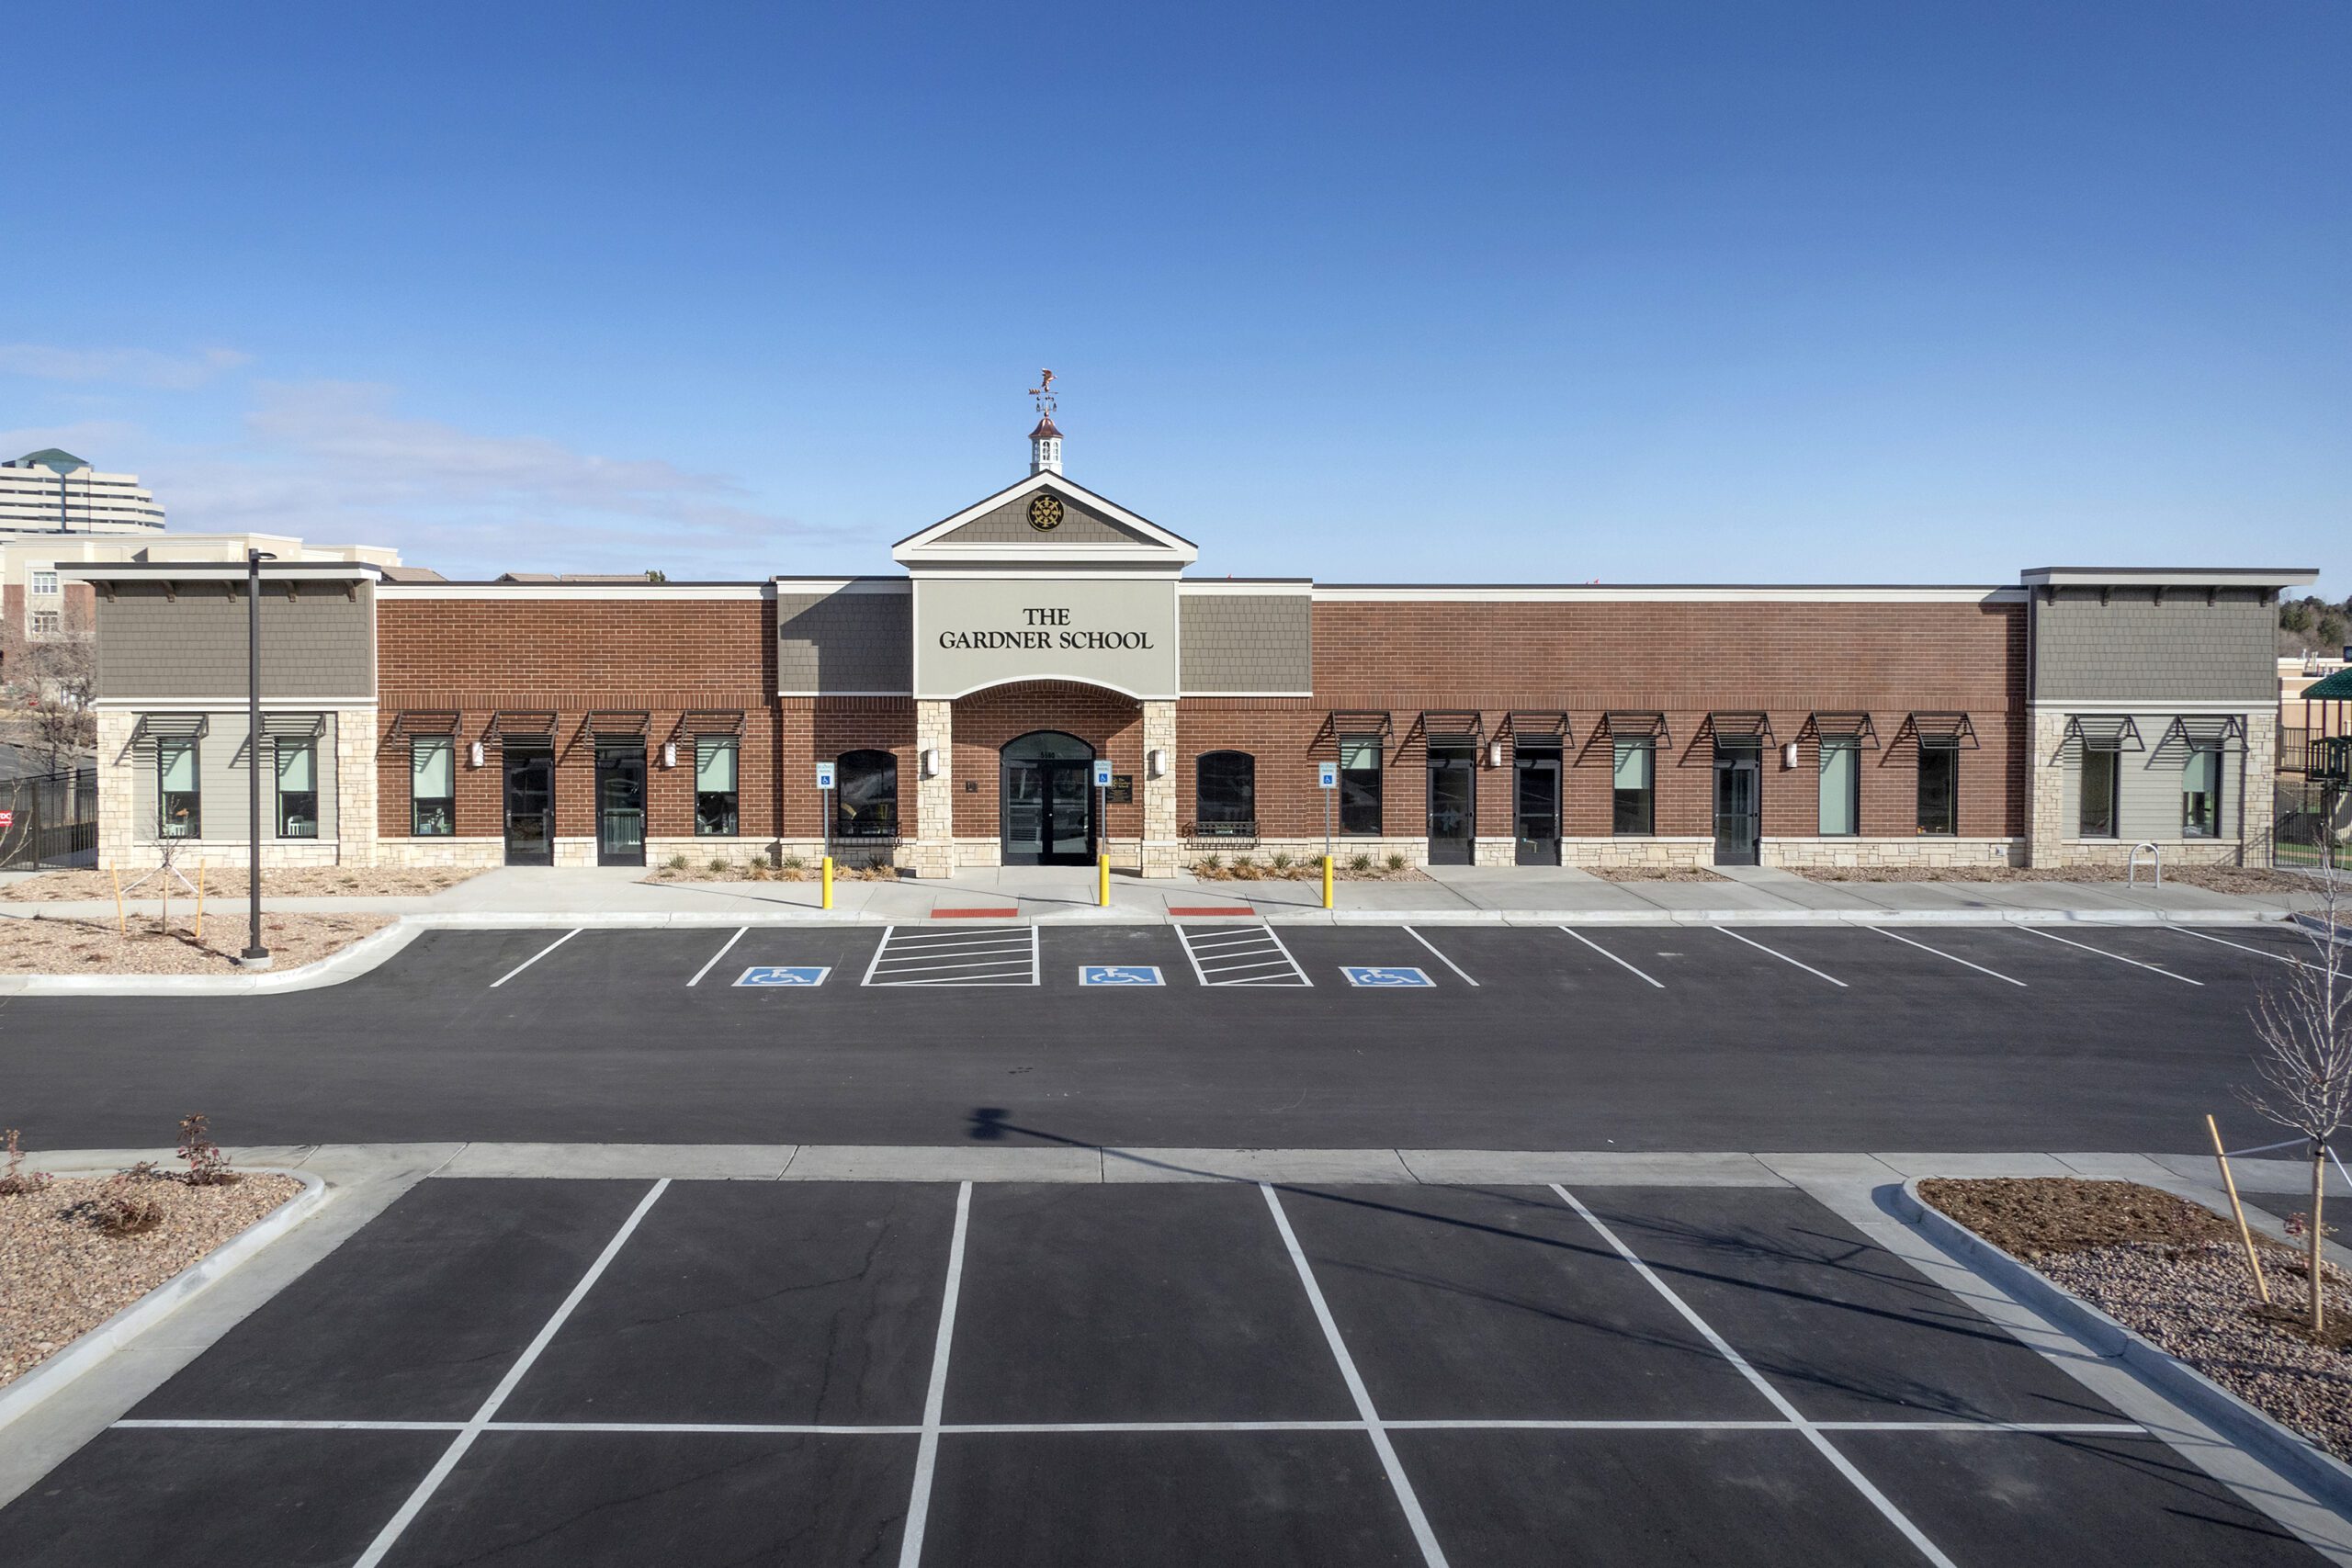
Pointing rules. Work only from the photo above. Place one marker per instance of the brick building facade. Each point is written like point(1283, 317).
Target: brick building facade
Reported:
point(965, 702)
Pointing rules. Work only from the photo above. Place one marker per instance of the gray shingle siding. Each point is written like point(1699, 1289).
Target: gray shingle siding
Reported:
point(318, 645)
point(844, 642)
point(2135, 647)
point(1245, 642)
point(1009, 525)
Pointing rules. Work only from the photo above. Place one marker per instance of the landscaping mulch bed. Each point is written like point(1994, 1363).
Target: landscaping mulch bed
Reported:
point(2175, 1272)
point(753, 872)
point(291, 882)
point(61, 1276)
point(1655, 873)
point(2212, 878)
point(37, 944)
point(1303, 870)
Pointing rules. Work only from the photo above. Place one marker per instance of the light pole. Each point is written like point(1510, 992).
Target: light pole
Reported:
point(255, 955)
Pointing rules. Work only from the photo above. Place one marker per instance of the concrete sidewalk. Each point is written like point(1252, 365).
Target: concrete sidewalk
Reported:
point(1504, 895)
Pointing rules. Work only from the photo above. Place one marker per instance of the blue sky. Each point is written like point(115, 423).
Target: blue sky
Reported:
point(1635, 292)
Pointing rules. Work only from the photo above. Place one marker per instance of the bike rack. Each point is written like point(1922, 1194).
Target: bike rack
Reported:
point(2132, 866)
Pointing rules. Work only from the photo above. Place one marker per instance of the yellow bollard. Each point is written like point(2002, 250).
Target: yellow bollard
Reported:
point(1103, 881)
point(828, 866)
point(1327, 882)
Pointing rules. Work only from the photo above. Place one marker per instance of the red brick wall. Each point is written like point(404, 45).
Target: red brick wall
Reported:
point(985, 721)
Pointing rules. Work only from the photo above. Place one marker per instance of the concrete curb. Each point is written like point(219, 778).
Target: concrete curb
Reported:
point(2313, 924)
point(2324, 1477)
point(102, 1340)
point(333, 970)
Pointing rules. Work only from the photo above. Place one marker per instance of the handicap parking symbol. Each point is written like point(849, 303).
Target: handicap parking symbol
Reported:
point(1369, 975)
point(785, 975)
point(1118, 975)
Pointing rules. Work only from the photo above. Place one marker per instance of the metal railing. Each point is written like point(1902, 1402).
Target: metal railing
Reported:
point(50, 819)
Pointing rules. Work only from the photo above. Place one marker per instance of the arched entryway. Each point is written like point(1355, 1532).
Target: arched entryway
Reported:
point(1049, 799)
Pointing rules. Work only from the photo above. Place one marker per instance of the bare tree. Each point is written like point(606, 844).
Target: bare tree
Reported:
point(2303, 1021)
point(52, 677)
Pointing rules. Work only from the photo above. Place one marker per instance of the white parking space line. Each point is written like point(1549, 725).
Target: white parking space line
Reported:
point(390, 1534)
point(1784, 957)
point(1224, 955)
point(1956, 958)
point(2103, 952)
point(1406, 1498)
point(1018, 1428)
point(1812, 1432)
point(2258, 952)
point(1611, 957)
point(533, 959)
point(714, 958)
point(1442, 958)
point(879, 949)
point(935, 1401)
point(921, 957)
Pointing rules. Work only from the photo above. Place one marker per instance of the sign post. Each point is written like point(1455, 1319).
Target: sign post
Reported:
point(825, 803)
point(1327, 779)
point(1101, 835)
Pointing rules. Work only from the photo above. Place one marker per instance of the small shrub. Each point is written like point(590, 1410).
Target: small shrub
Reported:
point(16, 1181)
point(717, 865)
point(1282, 859)
point(206, 1165)
point(1360, 862)
point(1244, 869)
point(676, 862)
point(1396, 862)
point(794, 862)
point(128, 1203)
point(1212, 865)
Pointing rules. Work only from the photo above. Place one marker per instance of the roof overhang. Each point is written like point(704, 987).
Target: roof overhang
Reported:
point(1162, 548)
point(2169, 576)
point(218, 571)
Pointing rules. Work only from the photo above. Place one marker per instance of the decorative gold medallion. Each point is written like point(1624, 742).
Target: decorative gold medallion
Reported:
point(1046, 513)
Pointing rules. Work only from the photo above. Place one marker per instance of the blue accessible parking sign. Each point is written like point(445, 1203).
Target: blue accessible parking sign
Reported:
point(785, 975)
point(1119, 975)
point(1368, 974)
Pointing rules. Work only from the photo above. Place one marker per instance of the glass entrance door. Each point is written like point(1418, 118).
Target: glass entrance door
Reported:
point(1536, 806)
point(1453, 804)
point(620, 802)
point(530, 802)
point(1048, 792)
point(1738, 803)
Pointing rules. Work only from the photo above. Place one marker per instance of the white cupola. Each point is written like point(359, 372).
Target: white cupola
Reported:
point(1045, 442)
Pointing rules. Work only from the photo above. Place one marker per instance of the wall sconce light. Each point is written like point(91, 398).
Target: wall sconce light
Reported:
point(668, 753)
point(473, 755)
point(1156, 763)
point(1494, 753)
point(930, 762)
point(1789, 755)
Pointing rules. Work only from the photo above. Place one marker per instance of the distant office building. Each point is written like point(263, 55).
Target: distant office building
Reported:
point(51, 492)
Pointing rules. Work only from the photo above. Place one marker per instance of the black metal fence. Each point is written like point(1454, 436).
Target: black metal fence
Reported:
point(50, 819)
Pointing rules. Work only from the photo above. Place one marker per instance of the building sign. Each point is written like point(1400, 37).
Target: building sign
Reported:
point(1109, 631)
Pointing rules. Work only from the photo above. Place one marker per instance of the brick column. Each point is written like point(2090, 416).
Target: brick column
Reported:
point(118, 834)
point(355, 786)
point(2258, 806)
point(2045, 775)
point(933, 851)
point(1162, 854)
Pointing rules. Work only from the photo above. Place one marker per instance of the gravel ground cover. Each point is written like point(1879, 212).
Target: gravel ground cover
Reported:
point(2212, 878)
point(36, 946)
point(2175, 1272)
point(61, 1276)
point(1655, 873)
point(291, 882)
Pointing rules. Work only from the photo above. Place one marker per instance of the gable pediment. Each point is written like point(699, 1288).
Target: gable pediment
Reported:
point(1045, 521)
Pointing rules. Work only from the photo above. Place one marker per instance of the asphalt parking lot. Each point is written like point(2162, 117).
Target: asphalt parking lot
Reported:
point(1211, 1034)
point(523, 1373)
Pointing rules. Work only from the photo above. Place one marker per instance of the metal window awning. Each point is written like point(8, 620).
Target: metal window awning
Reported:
point(1854, 726)
point(423, 722)
point(1631, 725)
point(1942, 728)
point(172, 725)
point(1755, 727)
point(1464, 728)
point(522, 721)
point(2110, 732)
point(710, 721)
point(293, 726)
point(619, 721)
point(1345, 721)
point(2205, 729)
point(1522, 723)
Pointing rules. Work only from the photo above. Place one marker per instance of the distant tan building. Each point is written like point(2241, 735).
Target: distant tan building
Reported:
point(37, 601)
point(54, 493)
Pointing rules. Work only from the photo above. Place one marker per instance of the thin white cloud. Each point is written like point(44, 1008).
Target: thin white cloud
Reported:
point(143, 368)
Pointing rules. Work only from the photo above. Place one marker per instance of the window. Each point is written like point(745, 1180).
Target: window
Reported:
point(2102, 778)
point(1841, 786)
point(717, 790)
point(1360, 786)
point(44, 622)
point(431, 787)
point(2200, 793)
point(298, 789)
point(1633, 793)
point(866, 798)
point(1939, 786)
point(44, 582)
point(180, 806)
point(1225, 797)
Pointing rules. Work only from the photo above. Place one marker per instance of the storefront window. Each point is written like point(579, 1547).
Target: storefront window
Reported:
point(1841, 786)
point(1633, 810)
point(2102, 774)
point(298, 789)
point(179, 805)
point(431, 787)
point(1939, 786)
point(715, 793)
point(2200, 794)
point(866, 796)
point(1225, 798)
point(1360, 786)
